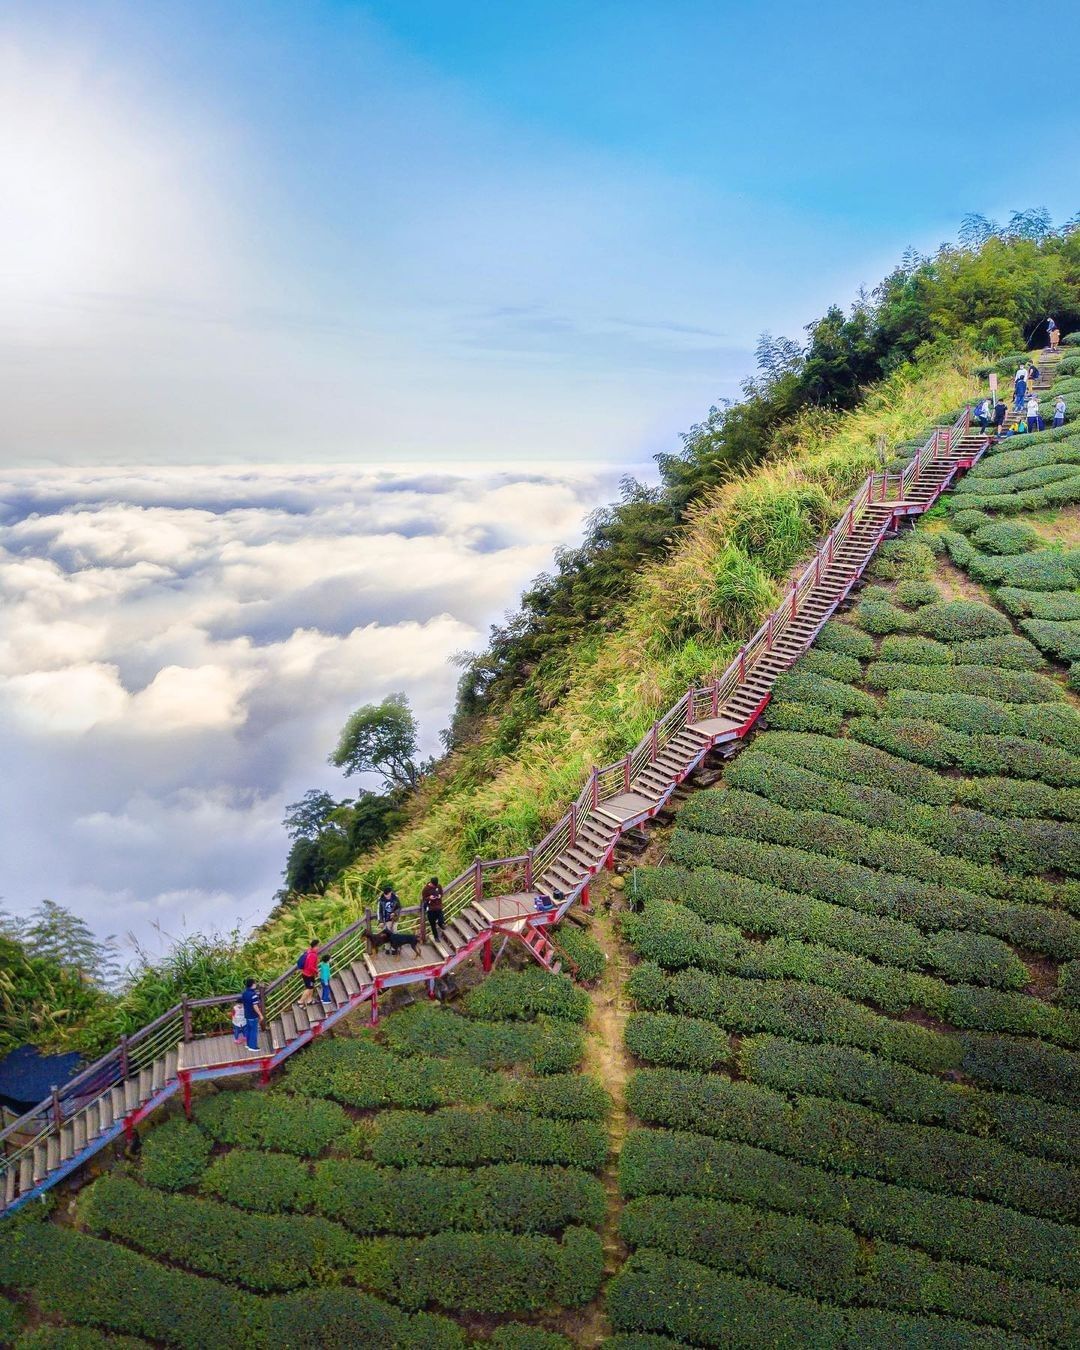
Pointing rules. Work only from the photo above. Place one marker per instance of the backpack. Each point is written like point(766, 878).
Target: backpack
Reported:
point(300, 961)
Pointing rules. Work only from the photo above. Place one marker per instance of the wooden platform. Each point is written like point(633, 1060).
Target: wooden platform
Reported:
point(713, 727)
point(627, 805)
point(211, 1051)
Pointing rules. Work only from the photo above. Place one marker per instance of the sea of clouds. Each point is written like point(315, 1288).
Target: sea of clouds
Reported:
point(180, 647)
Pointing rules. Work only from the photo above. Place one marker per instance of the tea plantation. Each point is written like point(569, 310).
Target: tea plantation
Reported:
point(441, 1168)
point(857, 997)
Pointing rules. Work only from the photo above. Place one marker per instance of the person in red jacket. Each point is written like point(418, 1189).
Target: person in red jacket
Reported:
point(308, 966)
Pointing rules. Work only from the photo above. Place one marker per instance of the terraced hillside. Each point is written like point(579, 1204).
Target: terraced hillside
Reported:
point(856, 1002)
point(446, 1163)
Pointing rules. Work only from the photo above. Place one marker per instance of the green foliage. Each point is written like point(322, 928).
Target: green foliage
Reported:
point(915, 594)
point(1005, 686)
point(505, 1197)
point(882, 616)
point(1009, 652)
point(1068, 990)
point(835, 666)
point(174, 1155)
point(270, 1183)
point(787, 716)
point(1007, 797)
point(10, 1320)
point(511, 994)
point(680, 1042)
point(854, 1140)
point(272, 1120)
point(514, 1336)
point(663, 1162)
point(1061, 640)
point(548, 1045)
point(916, 650)
point(484, 1273)
point(583, 949)
point(1002, 537)
point(452, 1136)
point(845, 640)
point(827, 1261)
point(42, 1002)
point(256, 1251)
point(1061, 606)
point(906, 558)
point(961, 620)
point(381, 738)
point(851, 761)
point(797, 687)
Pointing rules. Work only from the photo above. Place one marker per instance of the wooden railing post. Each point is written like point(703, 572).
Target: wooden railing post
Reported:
point(124, 1058)
point(573, 823)
point(58, 1115)
point(186, 1014)
point(528, 869)
point(794, 597)
point(769, 633)
point(690, 706)
point(742, 664)
point(478, 879)
point(422, 930)
point(626, 774)
point(716, 694)
point(654, 748)
point(595, 783)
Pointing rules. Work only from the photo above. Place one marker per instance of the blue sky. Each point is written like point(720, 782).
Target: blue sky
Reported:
point(383, 232)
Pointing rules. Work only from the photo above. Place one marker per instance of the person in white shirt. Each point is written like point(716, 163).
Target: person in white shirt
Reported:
point(1033, 414)
point(1059, 411)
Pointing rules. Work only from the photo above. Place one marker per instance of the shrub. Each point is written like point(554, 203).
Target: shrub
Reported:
point(10, 1320)
point(968, 520)
point(258, 1251)
point(515, 1336)
point(906, 1094)
point(961, 620)
point(1068, 990)
point(917, 593)
point(174, 1155)
point(1060, 606)
point(343, 1318)
point(74, 1338)
point(798, 687)
point(917, 651)
point(664, 1162)
point(927, 905)
point(360, 1073)
point(1060, 639)
point(999, 536)
point(1008, 653)
point(882, 616)
point(1054, 723)
point(272, 1121)
point(723, 897)
point(566, 1096)
point(655, 1292)
point(1007, 686)
point(548, 1045)
point(682, 1042)
point(789, 1008)
point(583, 950)
point(909, 555)
point(803, 717)
point(851, 761)
point(827, 1261)
point(854, 1140)
point(1007, 797)
point(842, 638)
point(455, 1136)
point(415, 1201)
point(833, 665)
point(484, 1273)
point(522, 995)
point(1046, 570)
point(268, 1182)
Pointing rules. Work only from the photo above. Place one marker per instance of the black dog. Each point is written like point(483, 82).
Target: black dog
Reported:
point(396, 941)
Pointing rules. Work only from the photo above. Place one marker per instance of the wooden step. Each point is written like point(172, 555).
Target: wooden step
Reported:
point(277, 1035)
point(67, 1140)
point(337, 988)
point(26, 1172)
point(105, 1111)
point(172, 1064)
point(288, 1025)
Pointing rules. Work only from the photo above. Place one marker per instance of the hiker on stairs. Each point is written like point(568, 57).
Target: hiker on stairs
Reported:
point(431, 901)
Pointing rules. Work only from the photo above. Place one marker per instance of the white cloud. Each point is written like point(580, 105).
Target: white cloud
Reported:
point(179, 649)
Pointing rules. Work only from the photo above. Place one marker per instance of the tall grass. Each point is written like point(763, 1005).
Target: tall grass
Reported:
point(684, 621)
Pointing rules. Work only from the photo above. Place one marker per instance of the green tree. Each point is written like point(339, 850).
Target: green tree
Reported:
point(58, 936)
point(381, 738)
point(305, 818)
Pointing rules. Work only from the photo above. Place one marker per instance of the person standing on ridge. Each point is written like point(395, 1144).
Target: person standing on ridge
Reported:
point(1055, 339)
point(431, 899)
point(389, 908)
point(1059, 411)
point(1033, 418)
point(253, 1016)
point(1020, 388)
point(1050, 326)
point(1000, 412)
point(308, 966)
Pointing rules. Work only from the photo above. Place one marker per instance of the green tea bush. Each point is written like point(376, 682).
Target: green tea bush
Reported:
point(1059, 639)
point(1003, 537)
point(257, 1251)
point(655, 1292)
point(1068, 990)
point(845, 669)
point(1056, 724)
point(855, 1140)
point(842, 638)
point(454, 1136)
point(268, 1182)
point(1006, 686)
point(722, 897)
point(342, 1318)
point(75, 1338)
point(909, 555)
point(1010, 652)
point(522, 995)
point(506, 1197)
point(803, 717)
point(1019, 845)
point(272, 1121)
point(1007, 797)
point(827, 1261)
point(917, 651)
point(360, 1073)
point(998, 498)
point(1023, 1067)
point(11, 1320)
point(174, 1155)
point(515, 1336)
point(1023, 1123)
point(796, 687)
point(882, 616)
point(969, 521)
point(490, 1273)
point(665, 1162)
point(914, 594)
point(1059, 606)
point(1019, 458)
point(681, 1042)
point(789, 1008)
point(585, 952)
point(961, 620)
point(547, 1045)
point(566, 1096)
point(929, 905)
point(851, 761)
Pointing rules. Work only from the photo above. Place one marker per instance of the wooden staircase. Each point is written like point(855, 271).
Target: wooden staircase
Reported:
point(518, 898)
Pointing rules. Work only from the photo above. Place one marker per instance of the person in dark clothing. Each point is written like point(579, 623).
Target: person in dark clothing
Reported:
point(431, 899)
point(983, 413)
point(389, 909)
point(1000, 412)
point(253, 1015)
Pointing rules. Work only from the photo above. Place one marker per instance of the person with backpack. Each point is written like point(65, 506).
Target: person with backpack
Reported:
point(431, 900)
point(326, 994)
point(1059, 411)
point(1034, 421)
point(983, 415)
point(308, 966)
point(251, 1001)
point(389, 909)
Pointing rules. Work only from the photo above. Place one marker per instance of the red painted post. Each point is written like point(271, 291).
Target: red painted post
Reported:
point(742, 664)
point(584, 897)
point(375, 1005)
point(528, 869)
point(626, 774)
point(431, 989)
point(654, 749)
point(573, 824)
point(478, 880)
point(486, 954)
point(185, 1087)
